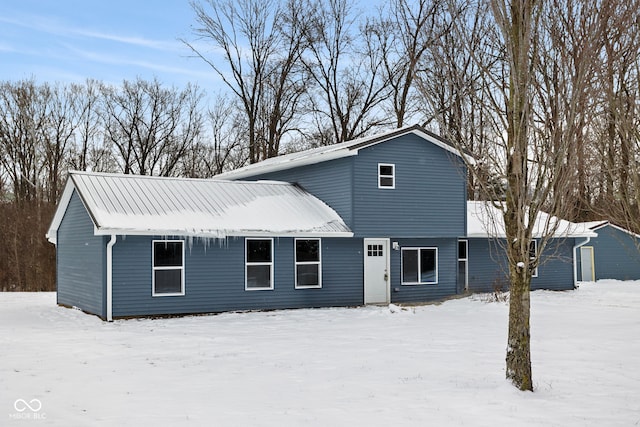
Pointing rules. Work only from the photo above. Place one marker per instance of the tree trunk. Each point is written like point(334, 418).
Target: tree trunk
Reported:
point(518, 344)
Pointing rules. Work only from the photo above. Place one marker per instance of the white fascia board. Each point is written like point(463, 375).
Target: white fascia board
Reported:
point(220, 235)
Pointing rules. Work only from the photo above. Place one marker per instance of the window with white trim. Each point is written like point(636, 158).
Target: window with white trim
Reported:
point(308, 264)
point(259, 264)
point(533, 253)
point(419, 266)
point(168, 267)
point(386, 175)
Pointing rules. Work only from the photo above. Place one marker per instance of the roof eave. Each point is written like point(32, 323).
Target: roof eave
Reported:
point(220, 234)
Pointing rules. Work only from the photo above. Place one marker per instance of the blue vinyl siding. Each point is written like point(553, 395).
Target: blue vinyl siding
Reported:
point(214, 278)
point(331, 182)
point(447, 265)
point(616, 255)
point(81, 258)
point(429, 198)
point(488, 270)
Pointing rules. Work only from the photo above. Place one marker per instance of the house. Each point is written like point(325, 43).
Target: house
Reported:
point(370, 221)
point(613, 254)
point(487, 263)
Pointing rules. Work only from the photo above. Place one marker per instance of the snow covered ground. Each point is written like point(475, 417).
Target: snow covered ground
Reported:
point(432, 365)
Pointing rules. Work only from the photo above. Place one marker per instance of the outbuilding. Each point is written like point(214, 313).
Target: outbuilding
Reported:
point(613, 254)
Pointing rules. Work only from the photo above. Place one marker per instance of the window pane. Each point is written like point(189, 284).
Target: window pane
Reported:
point(258, 276)
point(307, 275)
point(386, 181)
point(532, 249)
point(427, 265)
point(168, 281)
point(462, 249)
point(410, 266)
point(386, 170)
point(167, 254)
point(258, 250)
point(307, 250)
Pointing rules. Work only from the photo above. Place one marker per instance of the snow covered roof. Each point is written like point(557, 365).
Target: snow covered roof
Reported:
point(485, 220)
point(132, 204)
point(336, 151)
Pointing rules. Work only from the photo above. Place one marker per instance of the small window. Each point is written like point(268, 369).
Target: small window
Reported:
point(462, 250)
point(386, 175)
point(259, 264)
point(533, 253)
point(375, 250)
point(419, 266)
point(168, 268)
point(308, 268)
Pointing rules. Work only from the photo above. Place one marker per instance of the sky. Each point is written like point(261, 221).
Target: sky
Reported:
point(69, 41)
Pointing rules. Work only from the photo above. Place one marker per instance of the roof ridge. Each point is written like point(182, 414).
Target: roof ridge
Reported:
point(175, 178)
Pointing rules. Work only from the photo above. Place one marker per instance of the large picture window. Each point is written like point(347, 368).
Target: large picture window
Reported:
point(168, 267)
point(419, 266)
point(259, 264)
point(308, 268)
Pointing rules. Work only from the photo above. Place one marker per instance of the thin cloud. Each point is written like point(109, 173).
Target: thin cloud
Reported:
point(153, 66)
point(54, 27)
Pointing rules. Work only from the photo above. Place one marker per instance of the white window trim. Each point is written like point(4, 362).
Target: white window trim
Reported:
point(466, 244)
point(465, 260)
point(247, 264)
point(392, 176)
point(154, 268)
point(418, 248)
point(531, 259)
point(318, 263)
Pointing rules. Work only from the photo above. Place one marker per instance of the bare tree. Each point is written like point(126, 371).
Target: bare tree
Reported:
point(405, 34)
point(25, 123)
point(265, 75)
point(24, 105)
point(346, 67)
point(619, 86)
point(223, 147)
point(521, 137)
point(89, 151)
point(58, 136)
point(151, 127)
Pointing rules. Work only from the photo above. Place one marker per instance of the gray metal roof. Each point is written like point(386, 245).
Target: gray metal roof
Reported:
point(336, 151)
point(132, 204)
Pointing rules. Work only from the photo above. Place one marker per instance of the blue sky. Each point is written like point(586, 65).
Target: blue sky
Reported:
point(108, 40)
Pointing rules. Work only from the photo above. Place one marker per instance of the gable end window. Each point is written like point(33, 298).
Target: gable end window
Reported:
point(386, 175)
point(419, 266)
point(308, 266)
point(168, 268)
point(259, 264)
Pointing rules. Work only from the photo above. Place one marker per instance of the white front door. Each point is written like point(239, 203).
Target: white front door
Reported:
point(376, 271)
point(586, 263)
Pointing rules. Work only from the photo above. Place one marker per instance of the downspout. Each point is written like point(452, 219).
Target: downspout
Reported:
point(575, 261)
point(110, 278)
